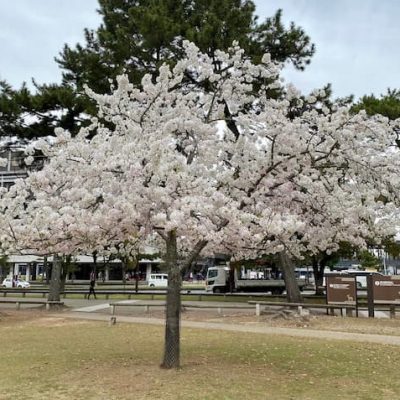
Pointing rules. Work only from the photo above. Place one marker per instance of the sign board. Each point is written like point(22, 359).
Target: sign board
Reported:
point(341, 289)
point(386, 288)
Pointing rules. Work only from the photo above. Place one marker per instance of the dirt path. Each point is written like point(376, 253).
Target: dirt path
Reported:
point(251, 328)
point(316, 325)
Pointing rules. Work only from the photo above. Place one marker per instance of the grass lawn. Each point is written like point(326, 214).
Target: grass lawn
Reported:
point(47, 357)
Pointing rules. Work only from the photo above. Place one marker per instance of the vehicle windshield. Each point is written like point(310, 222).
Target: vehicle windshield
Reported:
point(212, 273)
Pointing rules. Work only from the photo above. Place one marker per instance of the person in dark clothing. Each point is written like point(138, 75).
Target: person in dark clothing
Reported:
point(92, 284)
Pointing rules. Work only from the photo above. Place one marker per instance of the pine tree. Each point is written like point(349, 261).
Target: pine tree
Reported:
point(387, 105)
point(136, 37)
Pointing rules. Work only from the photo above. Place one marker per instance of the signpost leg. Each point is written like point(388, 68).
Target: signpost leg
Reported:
point(370, 296)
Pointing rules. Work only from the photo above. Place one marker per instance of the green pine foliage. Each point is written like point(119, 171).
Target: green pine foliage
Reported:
point(387, 104)
point(136, 37)
point(368, 260)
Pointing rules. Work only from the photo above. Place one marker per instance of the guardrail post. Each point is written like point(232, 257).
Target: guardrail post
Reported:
point(147, 308)
point(17, 305)
point(392, 311)
point(219, 310)
point(300, 310)
point(112, 309)
point(258, 309)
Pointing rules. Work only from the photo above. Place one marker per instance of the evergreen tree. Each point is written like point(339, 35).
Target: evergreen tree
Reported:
point(387, 104)
point(136, 37)
point(27, 115)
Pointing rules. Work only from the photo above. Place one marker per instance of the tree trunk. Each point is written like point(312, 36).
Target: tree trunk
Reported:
point(55, 282)
point(136, 282)
point(293, 294)
point(173, 307)
point(318, 270)
point(136, 274)
point(64, 271)
point(231, 281)
point(95, 264)
point(62, 281)
point(46, 269)
point(123, 265)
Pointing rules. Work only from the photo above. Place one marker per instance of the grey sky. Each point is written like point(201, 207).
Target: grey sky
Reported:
point(357, 40)
point(357, 43)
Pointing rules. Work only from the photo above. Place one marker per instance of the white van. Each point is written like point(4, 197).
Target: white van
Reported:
point(158, 280)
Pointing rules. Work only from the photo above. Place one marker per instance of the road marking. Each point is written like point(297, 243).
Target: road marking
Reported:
point(103, 306)
point(92, 308)
point(126, 301)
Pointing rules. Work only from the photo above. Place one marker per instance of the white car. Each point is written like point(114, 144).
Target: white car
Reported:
point(20, 283)
point(158, 280)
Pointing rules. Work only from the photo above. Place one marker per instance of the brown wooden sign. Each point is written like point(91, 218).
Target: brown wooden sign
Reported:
point(341, 289)
point(386, 288)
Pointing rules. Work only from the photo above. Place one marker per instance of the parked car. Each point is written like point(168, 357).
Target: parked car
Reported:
point(158, 280)
point(20, 283)
point(23, 284)
point(7, 283)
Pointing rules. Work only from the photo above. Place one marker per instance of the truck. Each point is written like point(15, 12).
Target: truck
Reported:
point(218, 281)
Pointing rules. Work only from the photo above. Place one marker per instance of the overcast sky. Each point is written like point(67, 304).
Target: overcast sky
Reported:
point(356, 40)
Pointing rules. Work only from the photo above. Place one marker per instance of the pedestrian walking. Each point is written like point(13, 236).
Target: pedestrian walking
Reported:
point(92, 284)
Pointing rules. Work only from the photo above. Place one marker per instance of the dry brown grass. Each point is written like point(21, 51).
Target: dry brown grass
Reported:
point(44, 356)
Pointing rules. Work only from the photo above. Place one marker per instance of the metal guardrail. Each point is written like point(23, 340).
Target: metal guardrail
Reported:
point(106, 293)
point(152, 293)
point(18, 303)
point(312, 299)
point(186, 305)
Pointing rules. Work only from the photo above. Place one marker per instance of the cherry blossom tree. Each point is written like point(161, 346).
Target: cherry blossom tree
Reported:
point(202, 156)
